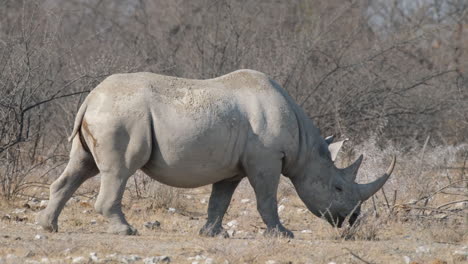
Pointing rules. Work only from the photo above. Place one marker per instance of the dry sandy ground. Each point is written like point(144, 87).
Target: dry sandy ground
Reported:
point(82, 231)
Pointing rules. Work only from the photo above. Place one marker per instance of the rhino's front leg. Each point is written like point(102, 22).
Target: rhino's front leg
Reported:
point(220, 199)
point(264, 180)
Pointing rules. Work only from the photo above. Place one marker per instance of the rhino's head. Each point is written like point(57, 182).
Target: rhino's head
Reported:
point(331, 192)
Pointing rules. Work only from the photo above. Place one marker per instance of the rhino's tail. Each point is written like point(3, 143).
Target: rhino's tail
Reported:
point(79, 119)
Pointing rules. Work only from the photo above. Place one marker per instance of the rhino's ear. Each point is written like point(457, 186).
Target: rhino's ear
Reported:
point(329, 139)
point(334, 148)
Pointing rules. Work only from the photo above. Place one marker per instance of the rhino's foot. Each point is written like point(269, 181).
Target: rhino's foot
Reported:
point(213, 231)
point(120, 229)
point(46, 221)
point(279, 232)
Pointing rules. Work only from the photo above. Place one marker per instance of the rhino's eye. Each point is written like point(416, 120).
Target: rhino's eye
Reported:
point(338, 189)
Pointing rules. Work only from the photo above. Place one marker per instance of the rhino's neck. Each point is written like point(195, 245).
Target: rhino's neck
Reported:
point(307, 146)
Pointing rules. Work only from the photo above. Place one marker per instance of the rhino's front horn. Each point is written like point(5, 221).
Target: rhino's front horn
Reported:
point(368, 189)
point(352, 170)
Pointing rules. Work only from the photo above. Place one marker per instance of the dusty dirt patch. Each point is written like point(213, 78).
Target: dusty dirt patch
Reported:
point(82, 231)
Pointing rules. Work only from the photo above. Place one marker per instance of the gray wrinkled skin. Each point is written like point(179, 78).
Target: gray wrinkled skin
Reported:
point(190, 133)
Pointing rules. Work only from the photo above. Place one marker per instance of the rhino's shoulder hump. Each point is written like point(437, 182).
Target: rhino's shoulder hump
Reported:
point(244, 78)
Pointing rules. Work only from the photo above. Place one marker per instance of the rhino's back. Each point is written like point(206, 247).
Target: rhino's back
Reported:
point(201, 128)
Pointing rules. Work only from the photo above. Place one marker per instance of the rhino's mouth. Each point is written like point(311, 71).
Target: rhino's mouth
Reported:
point(339, 220)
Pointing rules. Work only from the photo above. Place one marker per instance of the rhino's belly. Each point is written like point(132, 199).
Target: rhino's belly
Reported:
point(188, 176)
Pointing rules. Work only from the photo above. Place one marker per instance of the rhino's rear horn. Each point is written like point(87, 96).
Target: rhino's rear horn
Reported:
point(369, 189)
point(352, 170)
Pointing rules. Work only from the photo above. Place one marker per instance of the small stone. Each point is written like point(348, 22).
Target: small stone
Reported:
point(6, 217)
point(407, 259)
point(154, 260)
point(43, 203)
point(45, 260)
point(271, 262)
point(66, 251)
point(463, 252)
point(280, 208)
point(80, 260)
point(152, 225)
point(203, 201)
point(245, 200)
point(19, 211)
point(440, 216)
point(93, 256)
point(423, 249)
point(33, 203)
point(232, 223)
point(93, 221)
point(231, 232)
point(130, 259)
point(164, 259)
point(209, 261)
point(306, 231)
point(171, 210)
point(199, 257)
point(40, 237)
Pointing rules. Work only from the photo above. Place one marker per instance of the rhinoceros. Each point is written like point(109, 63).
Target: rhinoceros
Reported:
point(190, 133)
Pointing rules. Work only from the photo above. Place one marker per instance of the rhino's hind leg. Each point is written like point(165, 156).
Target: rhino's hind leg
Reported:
point(80, 167)
point(220, 199)
point(120, 153)
point(109, 201)
point(264, 177)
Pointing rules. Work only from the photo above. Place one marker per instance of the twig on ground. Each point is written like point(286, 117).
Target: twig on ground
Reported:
point(453, 202)
point(441, 189)
point(386, 200)
point(356, 256)
point(394, 200)
point(375, 207)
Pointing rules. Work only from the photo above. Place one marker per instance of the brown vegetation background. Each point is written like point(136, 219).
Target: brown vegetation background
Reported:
point(394, 73)
point(390, 75)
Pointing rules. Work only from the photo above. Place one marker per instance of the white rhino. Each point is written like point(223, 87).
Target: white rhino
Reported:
point(190, 133)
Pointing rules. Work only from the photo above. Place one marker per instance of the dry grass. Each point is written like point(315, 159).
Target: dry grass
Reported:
point(411, 226)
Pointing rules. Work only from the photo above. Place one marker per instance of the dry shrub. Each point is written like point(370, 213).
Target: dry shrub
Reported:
point(367, 227)
point(446, 232)
point(163, 196)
